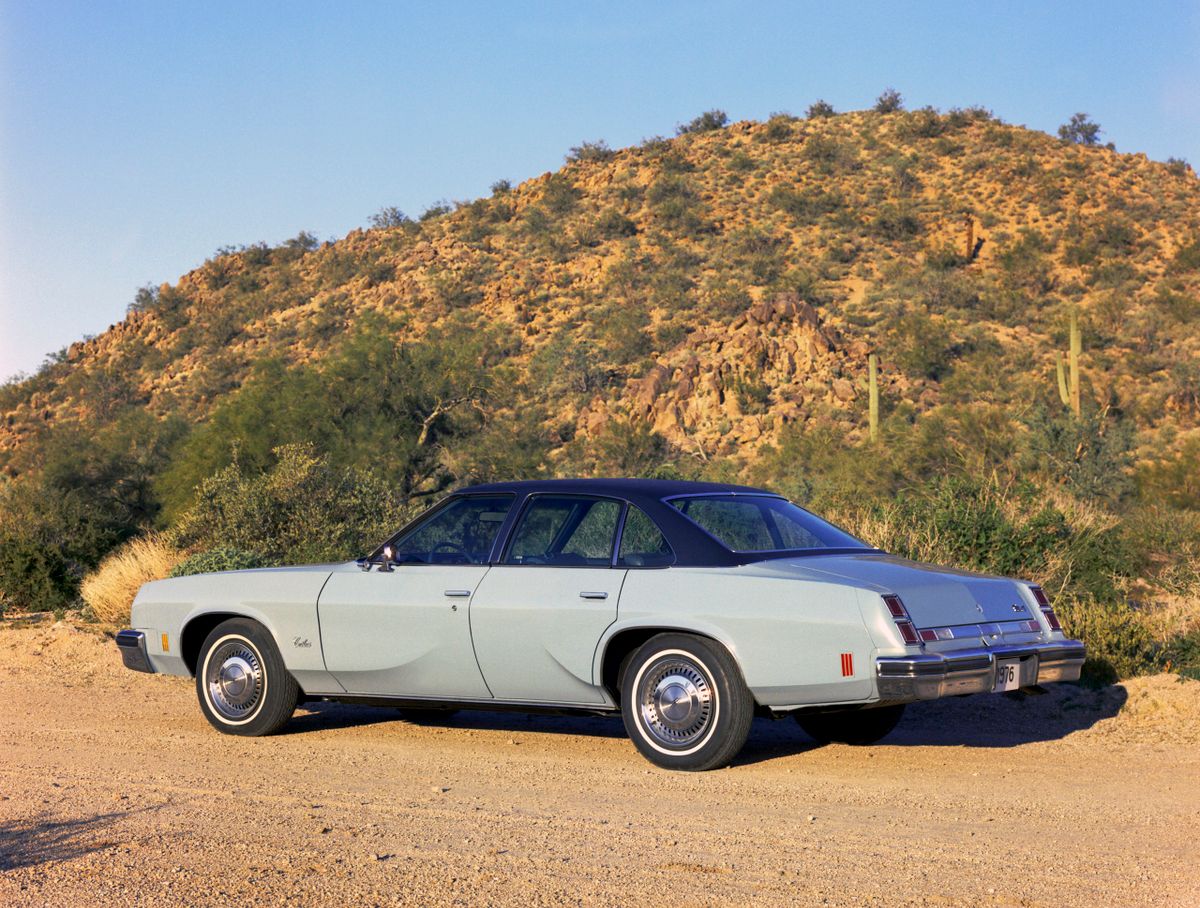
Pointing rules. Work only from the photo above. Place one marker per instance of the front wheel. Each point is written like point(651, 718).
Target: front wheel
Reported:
point(684, 703)
point(855, 726)
point(243, 685)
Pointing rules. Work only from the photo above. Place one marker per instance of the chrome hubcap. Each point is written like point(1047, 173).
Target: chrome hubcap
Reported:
point(676, 701)
point(234, 679)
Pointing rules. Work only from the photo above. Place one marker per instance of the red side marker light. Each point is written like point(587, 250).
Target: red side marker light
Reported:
point(847, 665)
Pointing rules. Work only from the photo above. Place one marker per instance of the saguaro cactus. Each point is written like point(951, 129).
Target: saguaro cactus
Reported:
point(1076, 349)
point(873, 395)
point(1068, 379)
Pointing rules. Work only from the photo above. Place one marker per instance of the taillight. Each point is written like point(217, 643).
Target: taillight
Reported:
point(899, 613)
point(1039, 595)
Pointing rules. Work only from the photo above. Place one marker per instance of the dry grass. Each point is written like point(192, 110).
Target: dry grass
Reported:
point(110, 589)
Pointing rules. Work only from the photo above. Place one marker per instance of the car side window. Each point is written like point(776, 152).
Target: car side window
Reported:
point(642, 542)
point(565, 530)
point(460, 533)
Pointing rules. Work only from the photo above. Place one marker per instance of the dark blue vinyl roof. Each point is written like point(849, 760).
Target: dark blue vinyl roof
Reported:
point(631, 489)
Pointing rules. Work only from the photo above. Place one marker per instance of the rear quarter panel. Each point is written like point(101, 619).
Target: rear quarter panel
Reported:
point(787, 633)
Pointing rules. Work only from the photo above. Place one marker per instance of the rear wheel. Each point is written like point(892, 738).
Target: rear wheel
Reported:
point(852, 726)
point(243, 685)
point(684, 703)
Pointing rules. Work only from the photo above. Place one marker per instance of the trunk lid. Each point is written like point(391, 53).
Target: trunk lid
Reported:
point(934, 596)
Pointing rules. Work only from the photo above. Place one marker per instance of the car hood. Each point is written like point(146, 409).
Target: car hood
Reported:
point(935, 596)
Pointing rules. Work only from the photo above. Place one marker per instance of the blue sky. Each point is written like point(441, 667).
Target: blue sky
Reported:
point(137, 138)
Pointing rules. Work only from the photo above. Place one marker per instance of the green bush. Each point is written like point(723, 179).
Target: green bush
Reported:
point(35, 576)
point(1120, 645)
point(890, 101)
point(590, 151)
point(1079, 130)
point(819, 109)
point(1183, 654)
point(706, 122)
point(219, 559)
point(300, 510)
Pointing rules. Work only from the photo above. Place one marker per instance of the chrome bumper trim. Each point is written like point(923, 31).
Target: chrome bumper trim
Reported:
point(928, 676)
point(132, 645)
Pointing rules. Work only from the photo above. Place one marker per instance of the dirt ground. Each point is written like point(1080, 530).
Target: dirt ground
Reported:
point(114, 790)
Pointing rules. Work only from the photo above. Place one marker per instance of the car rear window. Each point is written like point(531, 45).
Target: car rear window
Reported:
point(762, 523)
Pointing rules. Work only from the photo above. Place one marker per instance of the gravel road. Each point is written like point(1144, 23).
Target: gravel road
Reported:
point(114, 790)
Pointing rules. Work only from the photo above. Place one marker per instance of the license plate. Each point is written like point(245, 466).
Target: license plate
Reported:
point(1008, 675)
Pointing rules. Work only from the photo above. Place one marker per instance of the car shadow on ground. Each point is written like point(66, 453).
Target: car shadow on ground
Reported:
point(38, 840)
point(996, 720)
point(987, 720)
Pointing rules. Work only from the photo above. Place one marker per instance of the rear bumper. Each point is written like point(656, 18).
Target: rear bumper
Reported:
point(927, 676)
point(132, 646)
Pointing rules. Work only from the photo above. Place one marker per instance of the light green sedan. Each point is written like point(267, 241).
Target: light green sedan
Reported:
point(687, 608)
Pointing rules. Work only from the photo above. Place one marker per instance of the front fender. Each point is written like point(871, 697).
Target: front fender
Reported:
point(283, 601)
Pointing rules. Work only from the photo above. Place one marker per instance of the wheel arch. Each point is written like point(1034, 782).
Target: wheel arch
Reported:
point(619, 642)
point(197, 627)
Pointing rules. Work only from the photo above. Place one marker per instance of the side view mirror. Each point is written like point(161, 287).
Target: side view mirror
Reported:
point(387, 558)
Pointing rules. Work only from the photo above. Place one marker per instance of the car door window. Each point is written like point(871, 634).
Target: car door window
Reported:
point(642, 542)
point(462, 532)
point(566, 530)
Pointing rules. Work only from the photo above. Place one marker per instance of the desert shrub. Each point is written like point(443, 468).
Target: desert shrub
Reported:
point(895, 223)
point(376, 400)
point(676, 203)
point(35, 574)
point(436, 210)
point(1187, 257)
point(298, 510)
point(110, 589)
point(1182, 654)
point(1026, 261)
point(706, 122)
point(590, 151)
point(627, 447)
point(890, 101)
point(1112, 236)
point(1119, 643)
point(215, 560)
point(559, 195)
point(621, 330)
point(777, 129)
point(828, 155)
point(807, 205)
point(1079, 130)
point(1174, 480)
point(389, 218)
point(1178, 167)
point(567, 364)
point(925, 123)
point(611, 224)
point(819, 109)
point(1090, 455)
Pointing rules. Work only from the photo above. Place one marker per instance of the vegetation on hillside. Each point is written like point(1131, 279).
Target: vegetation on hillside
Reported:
point(704, 307)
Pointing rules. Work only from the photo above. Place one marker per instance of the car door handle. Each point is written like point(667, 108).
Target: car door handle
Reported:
point(593, 594)
point(458, 594)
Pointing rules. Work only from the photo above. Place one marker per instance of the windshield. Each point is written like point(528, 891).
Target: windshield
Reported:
point(762, 523)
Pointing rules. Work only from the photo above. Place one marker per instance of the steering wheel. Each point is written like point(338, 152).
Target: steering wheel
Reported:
point(448, 547)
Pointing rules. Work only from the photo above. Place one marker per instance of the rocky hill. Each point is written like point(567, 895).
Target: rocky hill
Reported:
point(723, 288)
